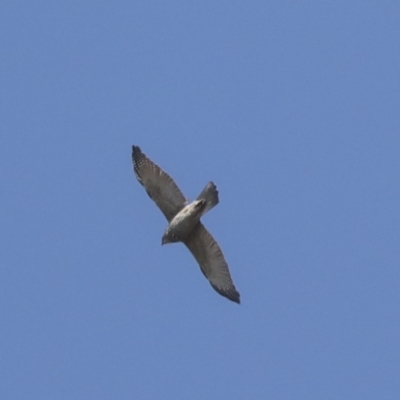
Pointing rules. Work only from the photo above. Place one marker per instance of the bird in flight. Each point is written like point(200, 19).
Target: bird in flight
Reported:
point(184, 221)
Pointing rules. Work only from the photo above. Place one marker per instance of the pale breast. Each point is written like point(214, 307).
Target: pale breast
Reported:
point(184, 222)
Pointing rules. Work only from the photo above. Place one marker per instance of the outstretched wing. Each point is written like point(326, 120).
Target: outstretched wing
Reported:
point(158, 184)
point(212, 262)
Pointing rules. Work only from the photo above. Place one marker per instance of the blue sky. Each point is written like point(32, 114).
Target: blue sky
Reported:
point(291, 108)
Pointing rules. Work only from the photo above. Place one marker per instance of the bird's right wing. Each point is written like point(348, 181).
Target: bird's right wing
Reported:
point(158, 184)
point(208, 254)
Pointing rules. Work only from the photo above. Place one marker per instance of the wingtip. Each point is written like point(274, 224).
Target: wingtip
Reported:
point(236, 299)
point(137, 156)
point(233, 295)
point(135, 149)
point(230, 293)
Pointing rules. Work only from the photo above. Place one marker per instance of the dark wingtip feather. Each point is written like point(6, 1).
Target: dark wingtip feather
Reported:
point(137, 158)
point(136, 152)
point(230, 293)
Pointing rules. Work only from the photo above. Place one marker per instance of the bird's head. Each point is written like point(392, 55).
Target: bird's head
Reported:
point(168, 237)
point(165, 239)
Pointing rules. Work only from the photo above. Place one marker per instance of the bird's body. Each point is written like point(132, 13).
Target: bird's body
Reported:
point(184, 221)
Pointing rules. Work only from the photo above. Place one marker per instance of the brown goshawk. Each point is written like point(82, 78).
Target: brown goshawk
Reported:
point(184, 221)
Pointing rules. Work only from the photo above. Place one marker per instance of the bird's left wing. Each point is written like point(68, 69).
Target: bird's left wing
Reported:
point(208, 254)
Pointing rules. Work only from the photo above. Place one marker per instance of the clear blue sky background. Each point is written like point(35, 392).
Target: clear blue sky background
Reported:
point(291, 108)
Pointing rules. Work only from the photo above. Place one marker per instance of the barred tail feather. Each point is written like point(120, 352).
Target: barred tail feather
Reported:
point(210, 195)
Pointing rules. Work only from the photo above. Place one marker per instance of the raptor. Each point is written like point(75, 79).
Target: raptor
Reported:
point(184, 221)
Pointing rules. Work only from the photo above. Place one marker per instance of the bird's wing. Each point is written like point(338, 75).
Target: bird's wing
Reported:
point(158, 184)
point(212, 262)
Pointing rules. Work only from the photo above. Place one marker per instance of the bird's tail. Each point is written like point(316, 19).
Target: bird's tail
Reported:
point(210, 195)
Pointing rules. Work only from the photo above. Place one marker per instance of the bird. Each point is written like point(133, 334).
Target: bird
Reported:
point(184, 223)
